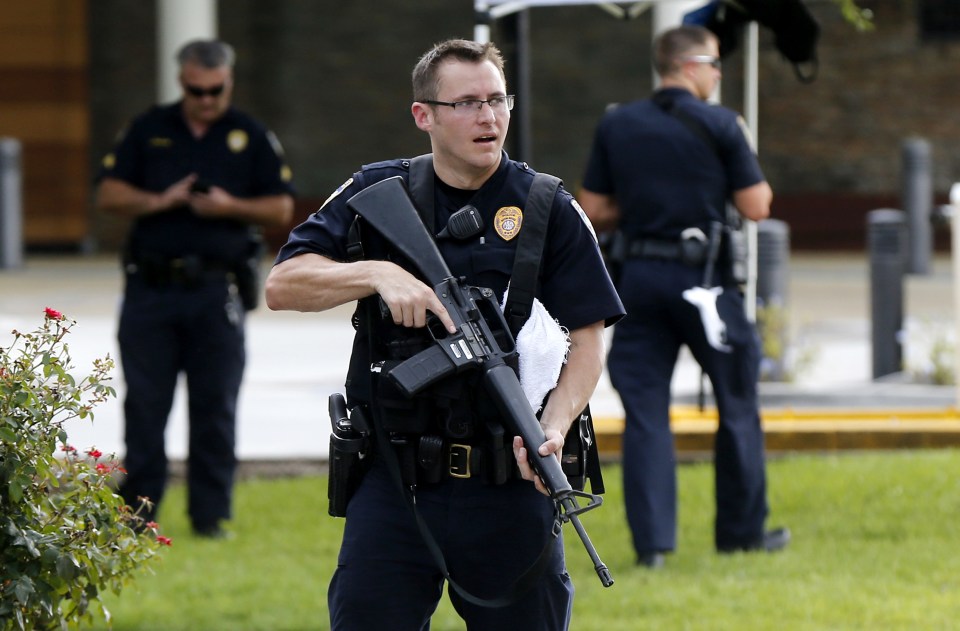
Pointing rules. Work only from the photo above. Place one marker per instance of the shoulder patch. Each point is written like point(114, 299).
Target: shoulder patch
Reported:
point(334, 194)
point(275, 143)
point(746, 133)
point(583, 216)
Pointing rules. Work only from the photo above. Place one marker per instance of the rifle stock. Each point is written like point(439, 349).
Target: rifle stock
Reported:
point(483, 341)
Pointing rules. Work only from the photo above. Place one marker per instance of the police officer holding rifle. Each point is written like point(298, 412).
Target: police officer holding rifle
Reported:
point(445, 490)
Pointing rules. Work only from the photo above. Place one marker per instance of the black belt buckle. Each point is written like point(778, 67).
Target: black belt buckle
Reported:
point(460, 460)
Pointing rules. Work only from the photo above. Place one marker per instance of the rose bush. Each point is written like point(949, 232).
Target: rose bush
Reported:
point(65, 536)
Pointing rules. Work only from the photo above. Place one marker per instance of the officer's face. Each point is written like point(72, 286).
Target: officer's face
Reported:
point(706, 76)
point(206, 92)
point(466, 140)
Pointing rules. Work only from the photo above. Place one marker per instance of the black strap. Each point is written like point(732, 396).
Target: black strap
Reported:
point(523, 289)
point(526, 263)
point(421, 187)
point(665, 102)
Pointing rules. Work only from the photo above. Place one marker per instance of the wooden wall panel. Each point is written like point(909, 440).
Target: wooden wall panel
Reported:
point(44, 103)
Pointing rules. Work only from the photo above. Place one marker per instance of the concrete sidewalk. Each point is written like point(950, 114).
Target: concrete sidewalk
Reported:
point(296, 360)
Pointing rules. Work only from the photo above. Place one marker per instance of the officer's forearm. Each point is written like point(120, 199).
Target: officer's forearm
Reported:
point(268, 210)
point(119, 197)
point(311, 282)
point(578, 378)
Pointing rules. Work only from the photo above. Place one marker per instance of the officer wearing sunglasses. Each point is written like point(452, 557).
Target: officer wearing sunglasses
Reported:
point(198, 179)
point(662, 171)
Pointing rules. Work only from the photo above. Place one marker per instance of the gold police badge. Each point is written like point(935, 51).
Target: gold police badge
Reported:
point(237, 140)
point(507, 222)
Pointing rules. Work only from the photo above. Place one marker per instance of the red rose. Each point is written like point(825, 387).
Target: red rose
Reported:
point(167, 541)
point(94, 453)
point(53, 314)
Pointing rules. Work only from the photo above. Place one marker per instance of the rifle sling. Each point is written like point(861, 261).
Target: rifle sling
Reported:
point(420, 185)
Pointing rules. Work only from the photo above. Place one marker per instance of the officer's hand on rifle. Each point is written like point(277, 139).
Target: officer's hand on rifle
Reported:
point(554, 445)
point(409, 299)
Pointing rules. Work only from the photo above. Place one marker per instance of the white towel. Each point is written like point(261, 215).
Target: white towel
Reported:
point(542, 345)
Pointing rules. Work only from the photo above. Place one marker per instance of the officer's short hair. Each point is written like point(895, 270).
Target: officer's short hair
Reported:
point(208, 53)
point(425, 86)
point(676, 42)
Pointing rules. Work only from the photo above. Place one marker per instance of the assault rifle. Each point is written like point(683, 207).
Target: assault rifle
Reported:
point(482, 342)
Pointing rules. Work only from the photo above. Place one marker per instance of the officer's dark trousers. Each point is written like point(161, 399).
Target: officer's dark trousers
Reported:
point(387, 579)
point(641, 362)
point(198, 331)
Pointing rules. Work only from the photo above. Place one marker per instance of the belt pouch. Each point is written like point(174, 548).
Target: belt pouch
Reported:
point(573, 458)
point(495, 463)
point(430, 459)
point(693, 250)
point(405, 449)
point(453, 409)
point(247, 273)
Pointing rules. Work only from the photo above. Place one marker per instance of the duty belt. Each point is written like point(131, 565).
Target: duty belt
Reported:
point(429, 459)
point(654, 249)
point(689, 248)
point(185, 270)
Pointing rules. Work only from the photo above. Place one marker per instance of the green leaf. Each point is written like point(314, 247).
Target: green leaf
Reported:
point(23, 589)
point(67, 567)
point(15, 490)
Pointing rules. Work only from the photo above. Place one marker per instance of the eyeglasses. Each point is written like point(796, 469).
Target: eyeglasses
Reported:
point(497, 104)
point(710, 60)
point(199, 92)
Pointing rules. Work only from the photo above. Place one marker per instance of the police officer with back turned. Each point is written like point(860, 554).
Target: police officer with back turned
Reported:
point(470, 480)
point(661, 171)
point(197, 176)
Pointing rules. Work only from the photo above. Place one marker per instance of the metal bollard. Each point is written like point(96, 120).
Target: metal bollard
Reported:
point(886, 240)
point(773, 278)
point(917, 202)
point(11, 204)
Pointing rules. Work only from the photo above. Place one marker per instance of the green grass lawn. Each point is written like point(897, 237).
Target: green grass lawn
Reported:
point(875, 546)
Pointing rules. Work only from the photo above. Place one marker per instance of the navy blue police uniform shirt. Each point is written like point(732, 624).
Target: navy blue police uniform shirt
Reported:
point(237, 154)
point(575, 288)
point(664, 176)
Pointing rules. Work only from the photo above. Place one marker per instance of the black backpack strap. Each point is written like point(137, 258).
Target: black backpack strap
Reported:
point(533, 237)
point(420, 185)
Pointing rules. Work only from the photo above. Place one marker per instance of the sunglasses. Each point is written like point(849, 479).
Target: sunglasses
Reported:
point(710, 60)
point(199, 92)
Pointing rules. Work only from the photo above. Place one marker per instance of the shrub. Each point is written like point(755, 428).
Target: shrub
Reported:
point(65, 536)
